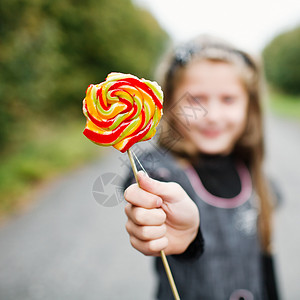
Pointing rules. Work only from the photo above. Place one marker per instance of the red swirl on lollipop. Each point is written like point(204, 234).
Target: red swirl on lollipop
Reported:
point(122, 111)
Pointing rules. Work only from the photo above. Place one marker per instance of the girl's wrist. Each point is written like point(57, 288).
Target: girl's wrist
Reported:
point(194, 249)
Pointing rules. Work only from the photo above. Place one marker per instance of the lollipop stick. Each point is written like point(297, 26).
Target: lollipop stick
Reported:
point(162, 253)
point(169, 275)
point(133, 166)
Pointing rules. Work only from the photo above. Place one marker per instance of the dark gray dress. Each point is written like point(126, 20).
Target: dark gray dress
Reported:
point(230, 266)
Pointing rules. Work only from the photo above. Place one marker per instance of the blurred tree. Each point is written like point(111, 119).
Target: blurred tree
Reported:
point(282, 61)
point(50, 50)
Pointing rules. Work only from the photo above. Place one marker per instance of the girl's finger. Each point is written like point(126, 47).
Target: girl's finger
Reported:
point(145, 233)
point(145, 217)
point(139, 197)
point(152, 247)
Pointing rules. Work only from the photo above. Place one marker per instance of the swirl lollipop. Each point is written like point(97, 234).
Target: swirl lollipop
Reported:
point(122, 110)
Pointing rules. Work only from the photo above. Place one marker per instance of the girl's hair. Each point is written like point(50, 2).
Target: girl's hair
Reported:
point(250, 146)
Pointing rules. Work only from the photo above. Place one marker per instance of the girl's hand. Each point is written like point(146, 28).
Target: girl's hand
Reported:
point(161, 216)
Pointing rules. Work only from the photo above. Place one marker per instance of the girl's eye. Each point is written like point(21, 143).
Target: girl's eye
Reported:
point(199, 99)
point(195, 100)
point(228, 99)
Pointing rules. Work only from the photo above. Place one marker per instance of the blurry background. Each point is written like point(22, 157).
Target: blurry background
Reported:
point(50, 51)
point(56, 242)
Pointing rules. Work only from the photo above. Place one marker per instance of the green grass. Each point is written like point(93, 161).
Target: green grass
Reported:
point(285, 105)
point(50, 150)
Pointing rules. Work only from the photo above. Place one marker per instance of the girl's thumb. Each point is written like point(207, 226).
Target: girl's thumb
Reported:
point(152, 186)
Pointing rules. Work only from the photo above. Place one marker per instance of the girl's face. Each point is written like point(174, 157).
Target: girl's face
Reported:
point(216, 86)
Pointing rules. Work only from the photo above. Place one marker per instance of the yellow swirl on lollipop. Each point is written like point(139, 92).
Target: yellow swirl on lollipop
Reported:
point(122, 110)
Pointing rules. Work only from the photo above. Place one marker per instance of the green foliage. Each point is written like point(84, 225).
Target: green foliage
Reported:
point(51, 50)
point(285, 105)
point(41, 158)
point(282, 61)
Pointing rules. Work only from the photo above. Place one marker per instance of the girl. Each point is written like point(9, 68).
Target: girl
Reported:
point(212, 113)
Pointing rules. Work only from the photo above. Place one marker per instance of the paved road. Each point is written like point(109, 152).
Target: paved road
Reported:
point(68, 246)
point(283, 163)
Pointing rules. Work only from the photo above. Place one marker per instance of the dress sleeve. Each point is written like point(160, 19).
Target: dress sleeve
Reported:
point(194, 250)
point(270, 282)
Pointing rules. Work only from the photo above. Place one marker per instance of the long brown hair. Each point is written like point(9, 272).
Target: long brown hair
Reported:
point(250, 146)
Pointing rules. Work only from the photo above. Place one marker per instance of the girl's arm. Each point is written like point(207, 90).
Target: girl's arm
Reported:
point(161, 216)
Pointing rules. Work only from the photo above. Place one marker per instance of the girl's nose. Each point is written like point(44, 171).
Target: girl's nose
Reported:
point(214, 110)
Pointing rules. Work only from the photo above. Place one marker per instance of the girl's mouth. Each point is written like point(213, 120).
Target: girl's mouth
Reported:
point(211, 133)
